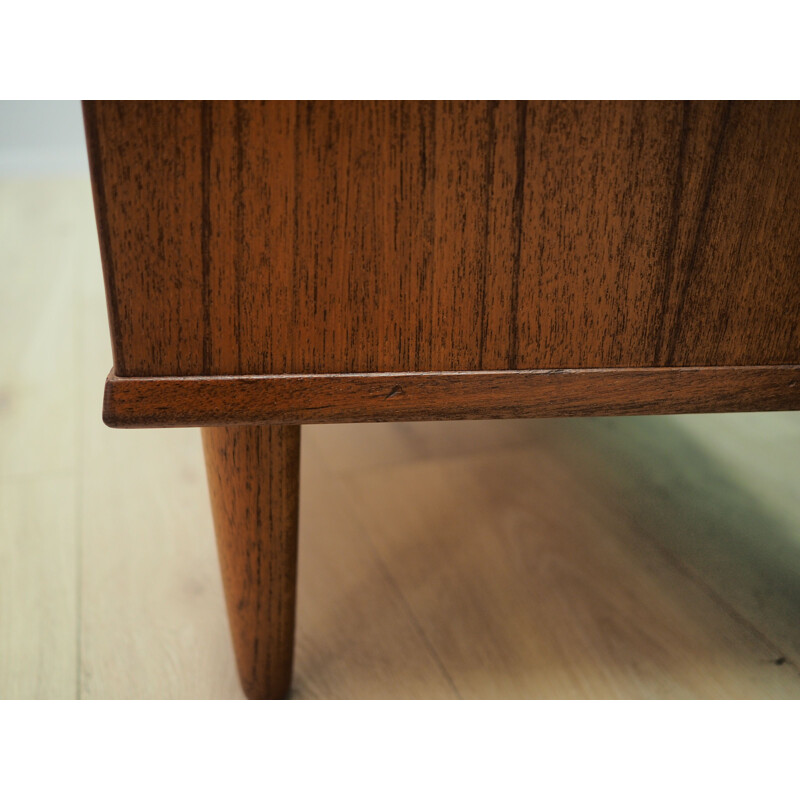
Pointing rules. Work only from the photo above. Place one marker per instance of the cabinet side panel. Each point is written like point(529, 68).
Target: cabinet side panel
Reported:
point(341, 237)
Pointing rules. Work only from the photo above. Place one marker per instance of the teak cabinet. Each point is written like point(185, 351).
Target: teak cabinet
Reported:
point(270, 264)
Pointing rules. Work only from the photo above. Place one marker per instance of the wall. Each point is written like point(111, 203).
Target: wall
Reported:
point(42, 137)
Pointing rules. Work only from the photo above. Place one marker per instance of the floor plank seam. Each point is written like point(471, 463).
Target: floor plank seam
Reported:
point(696, 578)
point(413, 619)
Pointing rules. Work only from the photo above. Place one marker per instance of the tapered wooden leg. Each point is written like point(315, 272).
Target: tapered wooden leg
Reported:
point(253, 479)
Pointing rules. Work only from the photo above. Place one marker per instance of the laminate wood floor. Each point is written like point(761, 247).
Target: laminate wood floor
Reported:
point(652, 557)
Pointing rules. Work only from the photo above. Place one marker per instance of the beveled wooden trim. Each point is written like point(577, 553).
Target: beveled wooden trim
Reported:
point(381, 397)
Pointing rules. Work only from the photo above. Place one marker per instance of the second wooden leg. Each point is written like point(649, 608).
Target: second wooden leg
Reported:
point(253, 479)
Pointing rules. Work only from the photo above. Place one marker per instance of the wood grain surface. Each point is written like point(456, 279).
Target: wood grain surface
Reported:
point(295, 399)
point(253, 477)
point(342, 237)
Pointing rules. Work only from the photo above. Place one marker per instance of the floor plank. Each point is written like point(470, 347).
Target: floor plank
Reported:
point(356, 637)
point(529, 583)
point(40, 233)
point(38, 589)
point(718, 493)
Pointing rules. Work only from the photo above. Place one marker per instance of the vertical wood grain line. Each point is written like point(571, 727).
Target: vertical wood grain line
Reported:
point(240, 240)
point(205, 243)
point(488, 182)
point(519, 198)
point(691, 265)
point(672, 236)
point(295, 241)
point(101, 215)
point(428, 209)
